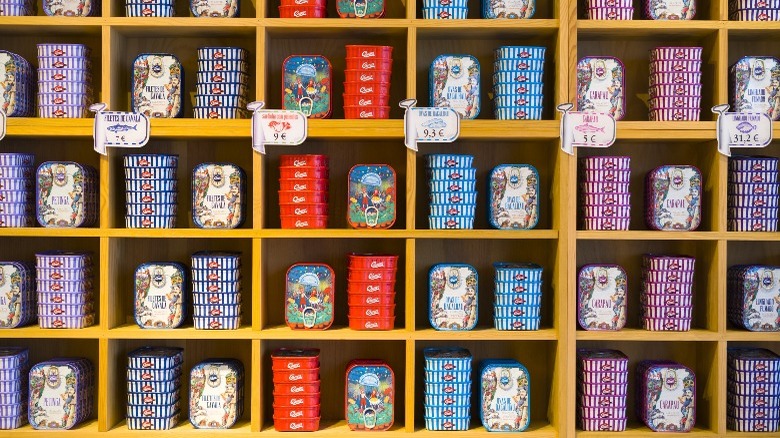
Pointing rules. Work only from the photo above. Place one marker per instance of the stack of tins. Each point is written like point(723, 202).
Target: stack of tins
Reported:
point(360, 8)
point(506, 395)
point(17, 8)
point(453, 297)
point(14, 368)
point(445, 9)
point(17, 287)
point(303, 191)
point(65, 290)
point(72, 8)
point(605, 199)
point(307, 85)
point(18, 75)
point(754, 10)
point(229, 70)
point(601, 85)
point(161, 295)
point(367, 86)
point(153, 383)
point(610, 9)
point(296, 377)
point(447, 388)
point(157, 82)
point(64, 80)
point(518, 296)
point(150, 187)
point(303, 9)
point(216, 393)
point(514, 197)
point(310, 296)
point(670, 10)
point(369, 395)
point(67, 195)
point(753, 81)
point(150, 8)
point(372, 202)
point(753, 390)
point(667, 292)
point(215, 8)
point(602, 384)
point(601, 297)
point(216, 283)
point(673, 197)
point(371, 291)
point(754, 297)
point(752, 200)
point(518, 82)
point(218, 195)
point(452, 181)
point(521, 9)
point(665, 396)
point(17, 190)
point(454, 82)
point(62, 393)
point(675, 83)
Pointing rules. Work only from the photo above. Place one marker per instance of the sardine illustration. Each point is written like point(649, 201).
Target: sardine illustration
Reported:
point(121, 128)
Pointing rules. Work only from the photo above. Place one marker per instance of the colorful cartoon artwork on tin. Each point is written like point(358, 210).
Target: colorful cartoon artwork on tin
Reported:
point(372, 197)
point(589, 76)
point(370, 398)
point(147, 306)
point(309, 303)
point(451, 88)
point(360, 8)
point(215, 206)
point(591, 312)
point(761, 306)
point(151, 96)
point(52, 404)
point(10, 301)
point(754, 90)
point(307, 86)
point(505, 399)
point(453, 299)
point(667, 187)
point(220, 397)
point(663, 385)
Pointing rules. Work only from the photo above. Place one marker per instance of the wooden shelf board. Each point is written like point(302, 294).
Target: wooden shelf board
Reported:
point(748, 336)
point(645, 28)
point(181, 26)
point(649, 235)
point(752, 236)
point(35, 332)
point(537, 429)
point(51, 232)
point(88, 428)
point(303, 27)
point(337, 427)
point(241, 428)
point(485, 28)
point(486, 334)
point(751, 28)
point(635, 334)
point(333, 233)
point(675, 131)
point(37, 127)
point(485, 234)
point(640, 430)
point(180, 233)
point(509, 129)
point(335, 333)
point(53, 25)
point(132, 331)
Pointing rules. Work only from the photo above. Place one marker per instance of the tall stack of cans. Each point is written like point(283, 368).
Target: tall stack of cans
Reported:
point(667, 292)
point(217, 274)
point(150, 186)
point(71, 380)
point(518, 100)
point(753, 390)
point(66, 195)
point(447, 388)
point(445, 9)
point(18, 75)
point(753, 188)
point(65, 289)
point(17, 8)
point(216, 393)
point(518, 296)
point(610, 9)
point(665, 396)
point(303, 191)
point(17, 288)
point(14, 368)
point(452, 181)
point(64, 80)
point(303, 9)
point(229, 70)
point(153, 384)
point(602, 385)
point(296, 377)
point(675, 83)
point(754, 297)
point(754, 10)
point(367, 85)
point(371, 291)
point(17, 190)
point(150, 8)
point(605, 199)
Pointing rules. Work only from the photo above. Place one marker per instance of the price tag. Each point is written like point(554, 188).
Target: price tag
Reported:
point(741, 130)
point(118, 129)
point(278, 127)
point(429, 125)
point(2, 124)
point(586, 129)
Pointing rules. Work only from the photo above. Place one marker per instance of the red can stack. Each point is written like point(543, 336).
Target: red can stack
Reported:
point(296, 389)
point(303, 191)
point(303, 9)
point(371, 291)
point(367, 88)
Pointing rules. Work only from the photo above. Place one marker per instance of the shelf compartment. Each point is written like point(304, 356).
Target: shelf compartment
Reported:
point(85, 428)
point(748, 253)
point(182, 12)
point(667, 131)
point(393, 11)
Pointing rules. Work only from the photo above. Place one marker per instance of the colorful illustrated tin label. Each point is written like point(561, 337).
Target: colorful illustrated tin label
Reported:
point(53, 397)
point(454, 82)
point(671, 398)
point(218, 195)
point(671, 9)
point(360, 8)
point(215, 390)
point(61, 194)
point(505, 397)
point(214, 8)
point(602, 297)
point(675, 198)
point(306, 85)
point(453, 297)
point(372, 190)
point(516, 9)
point(157, 82)
point(514, 192)
point(756, 85)
point(370, 396)
point(11, 283)
point(310, 295)
point(600, 86)
point(761, 305)
point(159, 296)
point(68, 8)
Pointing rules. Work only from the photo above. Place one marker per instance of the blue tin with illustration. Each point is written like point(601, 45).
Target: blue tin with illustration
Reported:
point(505, 395)
point(218, 195)
point(514, 201)
point(453, 296)
point(454, 83)
point(157, 84)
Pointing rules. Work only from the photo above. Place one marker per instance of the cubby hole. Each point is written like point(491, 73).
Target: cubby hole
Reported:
point(705, 9)
point(393, 9)
point(543, 10)
point(748, 253)
point(247, 9)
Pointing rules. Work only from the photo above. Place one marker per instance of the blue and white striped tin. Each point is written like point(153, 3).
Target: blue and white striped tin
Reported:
point(744, 163)
point(458, 424)
point(229, 287)
point(512, 272)
point(151, 423)
point(222, 53)
point(752, 412)
point(518, 113)
point(218, 275)
point(445, 13)
point(21, 172)
point(518, 300)
point(448, 388)
point(518, 287)
point(15, 10)
point(755, 15)
point(447, 376)
point(66, 50)
point(10, 221)
point(518, 65)
point(63, 111)
point(760, 225)
point(64, 75)
point(66, 99)
point(151, 197)
point(17, 196)
point(16, 185)
point(766, 201)
point(442, 161)
point(150, 221)
point(216, 310)
point(18, 421)
point(516, 77)
point(452, 174)
point(770, 389)
point(753, 189)
point(76, 286)
point(12, 386)
point(222, 77)
point(216, 260)
point(447, 359)
point(511, 100)
point(459, 198)
point(145, 386)
point(64, 309)
point(151, 209)
point(151, 160)
point(220, 112)
point(445, 3)
point(752, 176)
point(217, 323)
point(752, 425)
point(433, 411)
point(151, 185)
point(220, 65)
point(154, 374)
point(219, 100)
point(77, 63)
point(752, 213)
point(66, 322)
point(464, 185)
point(10, 398)
point(19, 209)
point(150, 173)
point(516, 323)
point(450, 222)
point(155, 358)
point(72, 87)
point(518, 89)
point(519, 52)
point(149, 10)
point(63, 259)
point(221, 88)
point(202, 299)
point(516, 311)
point(452, 210)
point(13, 357)
point(152, 399)
point(15, 159)
point(447, 400)
point(753, 359)
point(153, 411)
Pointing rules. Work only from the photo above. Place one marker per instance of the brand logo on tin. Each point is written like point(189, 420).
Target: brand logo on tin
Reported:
point(373, 300)
point(296, 414)
point(293, 366)
point(295, 377)
point(296, 401)
point(298, 14)
point(366, 114)
point(368, 54)
point(365, 102)
point(57, 52)
point(366, 77)
point(372, 288)
point(374, 276)
point(301, 224)
point(296, 426)
point(371, 325)
point(444, 14)
point(372, 312)
point(298, 199)
point(296, 389)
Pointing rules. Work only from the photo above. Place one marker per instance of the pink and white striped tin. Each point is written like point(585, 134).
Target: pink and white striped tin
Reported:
point(675, 114)
point(606, 224)
point(600, 199)
point(603, 401)
point(667, 90)
point(677, 65)
point(594, 4)
point(667, 276)
point(666, 324)
point(607, 211)
point(670, 312)
point(619, 176)
point(671, 77)
point(668, 263)
point(604, 187)
point(674, 102)
point(596, 361)
point(605, 163)
point(610, 13)
point(675, 53)
point(602, 389)
point(603, 413)
point(667, 288)
point(603, 425)
point(604, 377)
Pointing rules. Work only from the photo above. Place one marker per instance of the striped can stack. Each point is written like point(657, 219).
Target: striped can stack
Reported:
point(64, 80)
point(602, 385)
point(296, 378)
point(150, 187)
point(675, 83)
point(17, 289)
point(447, 388)
point(16, 100)
point(367, 86)
point(229, 69)
point(17, 190)
point(753, 391)
point(303, 9)
point(754, 10)
point(445, 9)
point(17, 8)
point(14, 368)
point(605, 199)
point(518, 82)
point(150, 8)
point(216, 283)
point(610, 9)
point(452, 181)
point(667, 292)
point(153, 384)
point(65, 289)
point(752, 193)
point(518, 296)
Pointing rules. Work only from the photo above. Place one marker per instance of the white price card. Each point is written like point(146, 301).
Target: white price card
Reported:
point(429, 125)
point(118, 129)
point(2, 124)
point(586, 129)
point(277, 127)
point(741, 130)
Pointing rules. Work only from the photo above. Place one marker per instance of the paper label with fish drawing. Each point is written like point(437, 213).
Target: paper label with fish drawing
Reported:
point(589, 130)
point(120, 129)
point(278, 127)
point(745, 130)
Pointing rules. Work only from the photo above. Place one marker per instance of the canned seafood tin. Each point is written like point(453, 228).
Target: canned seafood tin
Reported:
point(453, 297)
point(447, 376)
point(520, 52)
point(216, 393)
point(222, 53)
point(459, 198)
point(603, 413)
point(60, 379)
point(151, 185)
point(452, 423)
point(213, 88)
point(447, 359)
point(161, 173)
point(452, 210)
point(149, 10)
point(598, 188)
point(66, 322)
point(450, 222)
point(669, 312)
point(665, 103)
point(206, 101)
point(674, 198)
point(151, 198)
point(735, 5)
point(370, 385)
point(435, 161)
point(600, 85)
point(150, 221)
point(14, 159)
point(671, 10)
point(758, 400)
point(667, 288)
point(676, 65)
point(518, 64)
point(667, 276)
point(754, 213)
point(602, 389)
point(75, 100)
point(518, 113)
point(310, 296)
point(448, 388)
point(217, 322)
point(60, 309)
point(514, 288)
point(753, 360)
point(292, 359)
point(598, 361)
point(447, 400)
point(666, 324)
point(229, 287)
point(452, 174)
point(63, 259)
point(157, 85)
point(514, 191)
point(155, 387)
point(668, 262)
point(603, 425)
point(519, 100)
point(66, 50)
point(518, 89)
point(151, 160)
point(222, 76)
point(752, 425)
point(609, 13)
point(371, 194)
point(769, 189)
point(454, 83)
point(216, 310)
point(65, 87)
point(446, 411)
point(62, 111)
point(666, 300)
point(218, 195)
point(603, 402)
point(753, 163)
point(518, 272)
point(753, 376)
point(453, 186)
point(13, 10)
point(669, 90)
point(516, 312)
point(70, 8)
point(217, 298)
point(151, 209)
point(751, 84)
point(601, 297)
point(606, 211)
point(512, 323)
point(160, 295)
point(218, 8)
point(153, 423)
point(216, 260)
point(13, 357)
point(505, 396)
point(752, 176)
point(758, 14)
point(360, 9)
point(674, 114)
point(606, 199)
point(445, 13)
point(306, 85)
point(153, 411)
point(66, 194)
point(608, 175)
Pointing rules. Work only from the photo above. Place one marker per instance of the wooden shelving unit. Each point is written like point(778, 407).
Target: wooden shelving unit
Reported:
point(268, 250)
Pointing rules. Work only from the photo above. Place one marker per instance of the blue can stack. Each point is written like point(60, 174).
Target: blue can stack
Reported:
point(18, 289)
point(518, 296)
point(452, 181)
point(216, 290)
point(518, 82)
point(753, 390)
point(150, 187)
point(150, 8)
point(447, 388)
point(64, 80)
point(153, 383)
point(223, 78)
point(14, 368)
point(17, 190)
point(752, 193)
point(65, 289)
point(445, 9)
point(17, 97)
point(17, 8)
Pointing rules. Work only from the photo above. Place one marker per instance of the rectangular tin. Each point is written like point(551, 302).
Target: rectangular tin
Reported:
point(215, 8)
point(446, 359)
point(674, 198)
point(306, 85)
point(70, 8)
point(372, 196)
point(601, 293)
point(453, 295)
point(157, 85)
point(66, 194)
point(518, 272)
point(310, 295)
point(505, 396)
point(369, 395)
point(753, 360)
point(160, 295)
point(454, 83)
point(59, 393)
point(601, 86)
point(216, 393)
point(218, 195)
point(515, 9)
point(514, 192)
point(602, 361)
point(360, 9)
point(752, 87)
point(670, 9)
point(668, 394)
